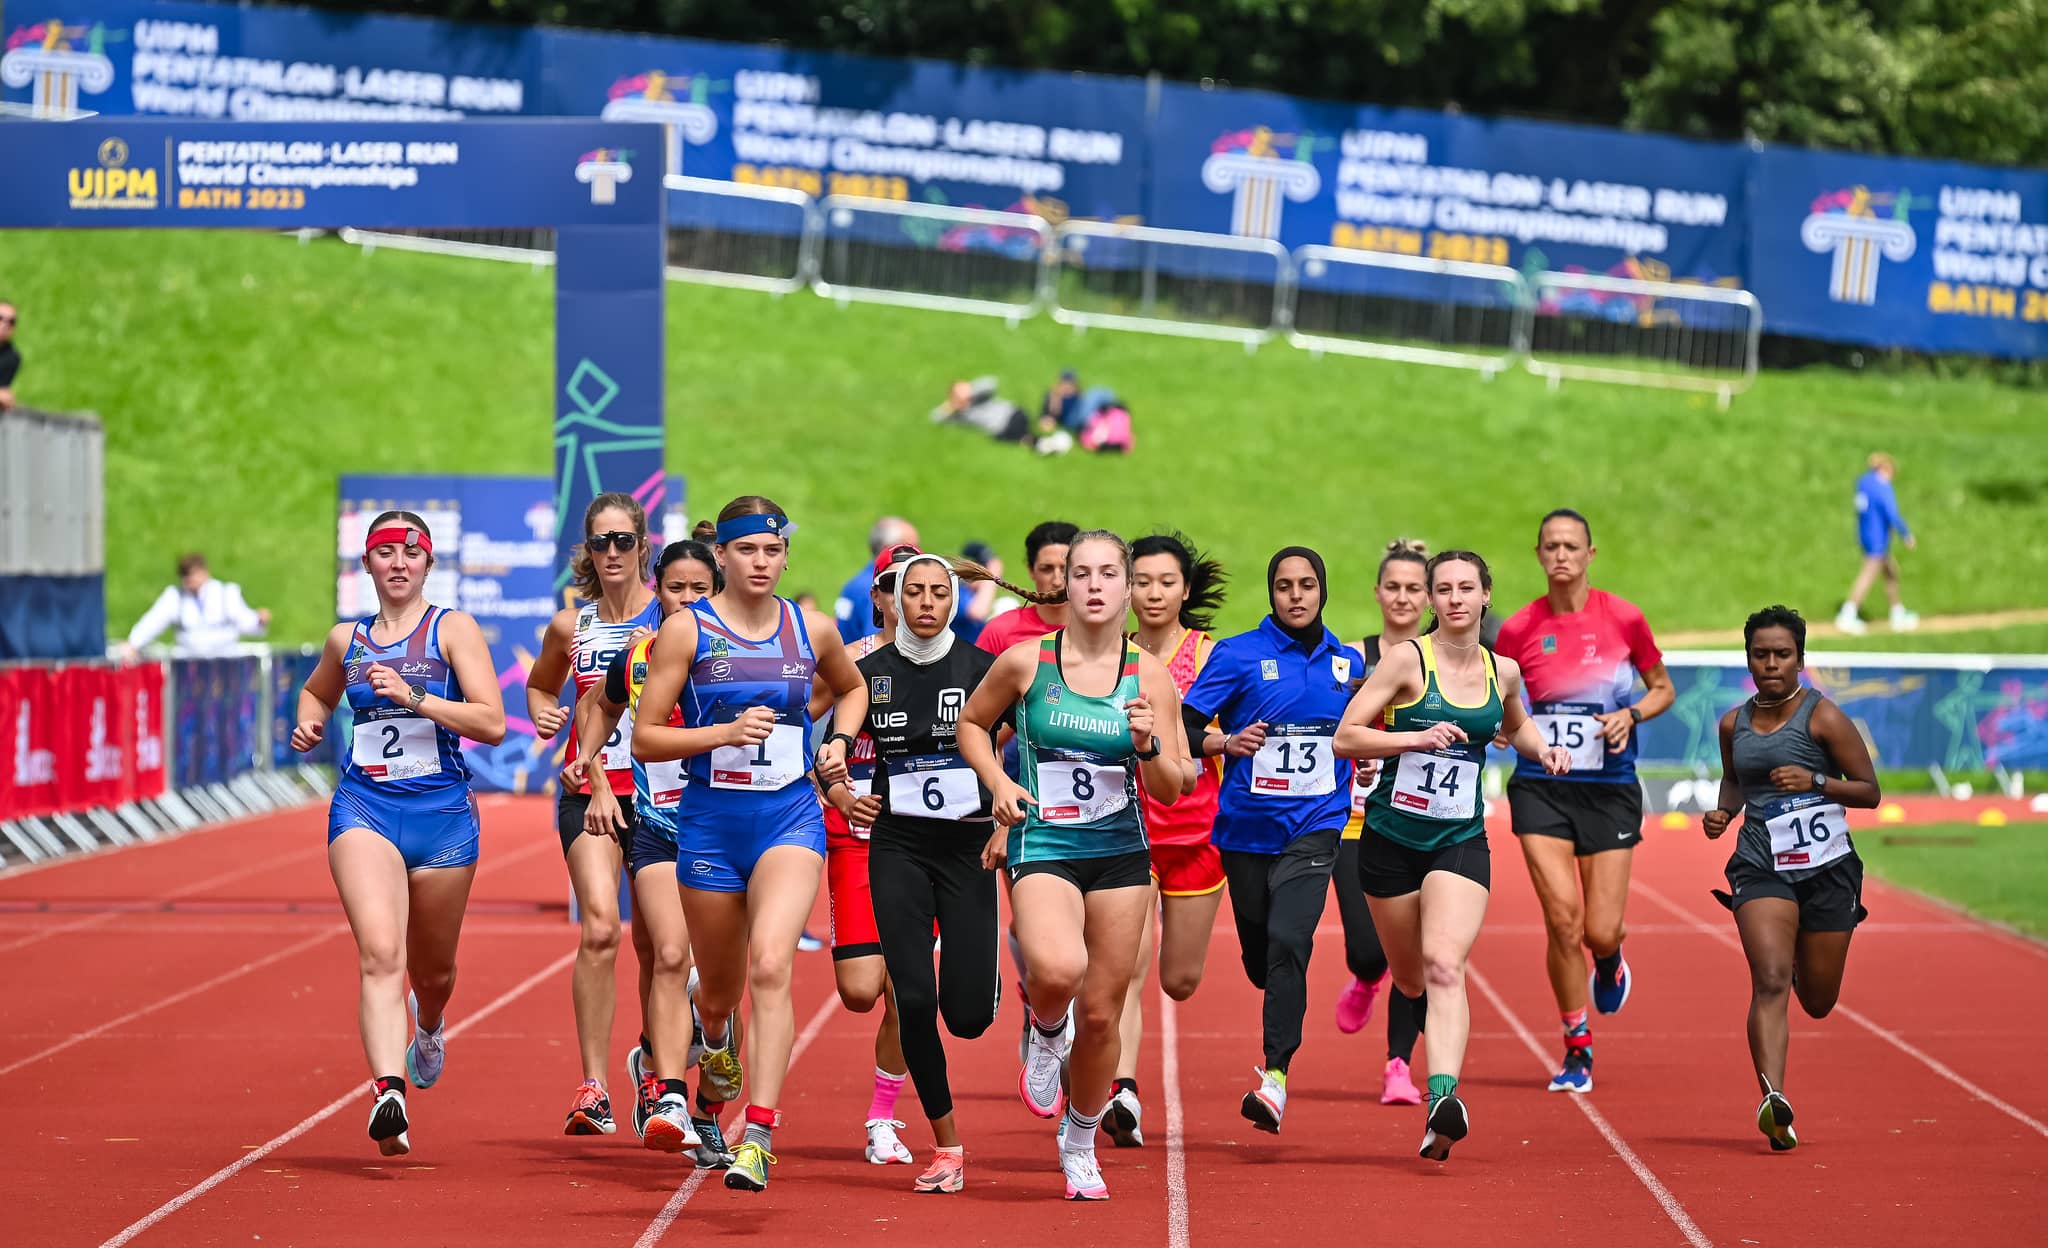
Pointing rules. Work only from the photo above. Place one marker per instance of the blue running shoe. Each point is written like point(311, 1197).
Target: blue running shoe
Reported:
point(1609, 998)
point(1577, 1075)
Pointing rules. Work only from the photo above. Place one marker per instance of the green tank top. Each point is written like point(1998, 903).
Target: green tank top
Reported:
point(1428, 799)
point(1078, 762)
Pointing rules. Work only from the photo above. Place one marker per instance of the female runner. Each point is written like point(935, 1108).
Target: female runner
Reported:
point(1794, 762)
point(1429, 709)
point(1402, 589)
point(1175, 592)
point(1080, 871)
point(750, 838)
point(610, 575)
point(402, 828)
point(931, 822)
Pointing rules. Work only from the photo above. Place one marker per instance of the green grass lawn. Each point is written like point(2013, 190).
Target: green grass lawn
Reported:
point(239, 374)
point(2000, 873)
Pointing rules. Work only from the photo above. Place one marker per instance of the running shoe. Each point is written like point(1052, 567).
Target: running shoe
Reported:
point(388, 1124)
point(1609, 998)
point(669, 1128)
point(428, 1051)
point(1045, 1065)
point(1850, 622)
point(1084, 1177)
point(1024, 1036)
point(884, 1149)
point(719, 1075)
point(806, 943)
point(712, 1152)
point(647, 1089)
point(1354, 1004)
point(947, 1173)
point(1577, 1074)
point(1904, 621)
point(1774, 1119)
point(1264, 1104)
point(1398, 1087)
point(1121, 1119)
point(591, 1112)
point(696, 1024)
point(1446, 1125)
point(749, 1169)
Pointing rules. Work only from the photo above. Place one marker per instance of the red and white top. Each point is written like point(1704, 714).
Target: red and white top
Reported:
point(1576, 666)
point(1189, 820)
point(591, 652)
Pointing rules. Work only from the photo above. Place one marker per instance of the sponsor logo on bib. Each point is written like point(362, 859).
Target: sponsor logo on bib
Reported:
point(1052, 693)
point(881, 688)
point(1269, 669)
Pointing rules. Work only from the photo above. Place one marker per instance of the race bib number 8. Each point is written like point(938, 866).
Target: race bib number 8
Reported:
point(1810, 832)
point(934, 786)
point(618, 748)
point(1572, 726)
point(1436, 786)
point(775, 763)
point(401, 748)
point(1296, 761)
point(1077, 789)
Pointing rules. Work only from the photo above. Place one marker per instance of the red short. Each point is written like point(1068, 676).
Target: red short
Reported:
point(1187, 870)
point(846, 882)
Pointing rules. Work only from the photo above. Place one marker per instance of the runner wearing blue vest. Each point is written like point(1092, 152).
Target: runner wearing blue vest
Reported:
point(1277, 693)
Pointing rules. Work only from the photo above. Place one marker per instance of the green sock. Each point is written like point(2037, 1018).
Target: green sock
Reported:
point(1441, 1086)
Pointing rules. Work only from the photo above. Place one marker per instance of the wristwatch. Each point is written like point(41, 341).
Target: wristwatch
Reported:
point(838, 736)
point(1145, 757)
point(1820, 783)
point(417, 696)
point(1636, 714)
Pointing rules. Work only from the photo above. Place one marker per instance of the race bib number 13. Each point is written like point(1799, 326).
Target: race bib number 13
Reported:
point(1296, 760)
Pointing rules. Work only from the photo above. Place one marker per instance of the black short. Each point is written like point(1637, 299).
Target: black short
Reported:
point(1595, 817)
point(1831, 900)
point(570, 809)
point(1389, 869)
point(1093, 875)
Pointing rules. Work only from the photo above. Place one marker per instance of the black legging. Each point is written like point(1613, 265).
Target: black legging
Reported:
point(918, 871)
point(1362, 953)
point(1277, 901)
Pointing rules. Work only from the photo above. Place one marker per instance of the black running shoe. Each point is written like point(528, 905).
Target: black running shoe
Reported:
point(1447, 1124)
point(711, 1152)
point(1774, 1119)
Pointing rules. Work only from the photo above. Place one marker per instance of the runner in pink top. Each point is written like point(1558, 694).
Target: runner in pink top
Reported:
point(1045, 554)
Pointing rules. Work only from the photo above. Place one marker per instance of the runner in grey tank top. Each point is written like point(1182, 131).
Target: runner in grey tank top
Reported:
point(1795, 764)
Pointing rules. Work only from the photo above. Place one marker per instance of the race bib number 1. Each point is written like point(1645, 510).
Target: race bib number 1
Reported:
point(1074, 788)
point(1572, 726)
point(1808, 832)
point(400, 748)
point(1436, 786)
point(775, 763)
point(1296, 761)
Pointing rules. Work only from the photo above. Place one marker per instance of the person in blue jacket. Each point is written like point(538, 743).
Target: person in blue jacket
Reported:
point(1877, 520)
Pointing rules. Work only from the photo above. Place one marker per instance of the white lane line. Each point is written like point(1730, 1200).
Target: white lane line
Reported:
point(1862, 1020)
point(1646, 1176)
point(354, 1097)
point(245, 968)
point(674, 1208)
point(1176, 1155)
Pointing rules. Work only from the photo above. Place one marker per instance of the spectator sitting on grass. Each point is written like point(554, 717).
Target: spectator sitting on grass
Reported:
point(976, 404)
point(10, 355)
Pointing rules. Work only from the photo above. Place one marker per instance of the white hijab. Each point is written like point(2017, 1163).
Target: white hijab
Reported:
point(922, 651)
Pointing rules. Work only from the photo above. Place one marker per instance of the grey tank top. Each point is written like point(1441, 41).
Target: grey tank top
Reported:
point(1756, 755)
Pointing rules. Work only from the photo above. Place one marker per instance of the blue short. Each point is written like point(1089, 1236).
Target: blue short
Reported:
point(718, 842)
point(650, 840)
point(430, 830)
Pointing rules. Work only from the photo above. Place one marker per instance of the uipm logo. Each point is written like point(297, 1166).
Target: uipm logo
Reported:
point(603, 170)
point(1258, 168)
point(1845, 223)
point(45, 56)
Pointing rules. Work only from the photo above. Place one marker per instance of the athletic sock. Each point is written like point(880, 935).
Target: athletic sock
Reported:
point(1077, 1130)
point(390, 1083)
point(887, 1088)
point(709, 1109)
point(1419, 1005)
point(1403, 1017)
point(723, 1036)
point(760, 1125)
point(1122, 1085)
point(957, 1152)
point(1609, 967)
point(646, 1046)
point(1441, 1086)
point(676, 1088)
point(1053, 1030)
point(1578, 1033)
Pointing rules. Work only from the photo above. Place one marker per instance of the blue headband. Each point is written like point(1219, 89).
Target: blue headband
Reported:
point(747, 526)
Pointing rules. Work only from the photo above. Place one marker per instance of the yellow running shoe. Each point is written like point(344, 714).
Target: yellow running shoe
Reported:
point(749, 1169)
point(719, 1072)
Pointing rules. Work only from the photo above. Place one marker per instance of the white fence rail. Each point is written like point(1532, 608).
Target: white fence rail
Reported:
point(733, 234)
point(1410, 308)
point(1674, 335)
point(1180, 282)
point(935, 256)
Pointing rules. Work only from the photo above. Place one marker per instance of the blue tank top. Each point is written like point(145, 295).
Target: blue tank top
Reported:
point(732, 673)
point(396, 750)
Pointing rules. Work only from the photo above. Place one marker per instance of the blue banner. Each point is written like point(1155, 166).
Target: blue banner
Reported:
point(1929, 254)
point(216, 729)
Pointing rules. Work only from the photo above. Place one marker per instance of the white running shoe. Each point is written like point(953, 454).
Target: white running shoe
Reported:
point(1121, 1119)
point(1045, 1066)
point(696, 1023)
point(1084, 1177)
point(669, 1128)
point(1264, 1105)
point(1849, 622)
point(388, 1124)
point(1904, 621)
point(428, 1052)
point(884, 1149)
point(646, 1089)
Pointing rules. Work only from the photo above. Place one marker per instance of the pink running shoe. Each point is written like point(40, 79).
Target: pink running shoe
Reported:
point(1354, 1004)
point(1400, 1086)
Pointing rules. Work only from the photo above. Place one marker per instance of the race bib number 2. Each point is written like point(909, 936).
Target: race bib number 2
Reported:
point(1436, 786)
point(401, 748)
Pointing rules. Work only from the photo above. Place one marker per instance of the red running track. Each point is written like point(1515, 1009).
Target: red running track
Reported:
point(179, 1060)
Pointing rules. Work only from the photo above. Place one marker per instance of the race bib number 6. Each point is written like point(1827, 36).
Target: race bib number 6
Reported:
point(1075, 788)
point(1436, 786)
point(1296, 761)
point(1571, 726)
point(400, 748)
point(775, 763)
point(934, 786)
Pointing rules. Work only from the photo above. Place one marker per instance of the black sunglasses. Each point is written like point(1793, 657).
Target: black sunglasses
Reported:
point(612, 541)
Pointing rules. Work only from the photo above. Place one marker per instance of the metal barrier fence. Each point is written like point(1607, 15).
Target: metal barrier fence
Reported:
point(1379, 305)
point(930, 256)
point(1409, 308)
point(52, 511)
point(1677, 336)
point(1177, 282)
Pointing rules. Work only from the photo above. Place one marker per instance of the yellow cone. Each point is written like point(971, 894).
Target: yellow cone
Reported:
point(1993, 818)
point(1891, 812)
point(1674, 819)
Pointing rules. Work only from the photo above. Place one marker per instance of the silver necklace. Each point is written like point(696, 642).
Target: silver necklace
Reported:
point(1763, 705)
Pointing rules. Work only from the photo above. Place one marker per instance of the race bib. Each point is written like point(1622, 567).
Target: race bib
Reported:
point(400, 748)
point(860, 777)
point(1074, 787)
point(1297, 760)
point(1809, 831)
point(1436, 786)
point(665, 783)
point(775, 763)
point(1365, 777)
point(1572, 726)
point(618, 748)
point(934, 786)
